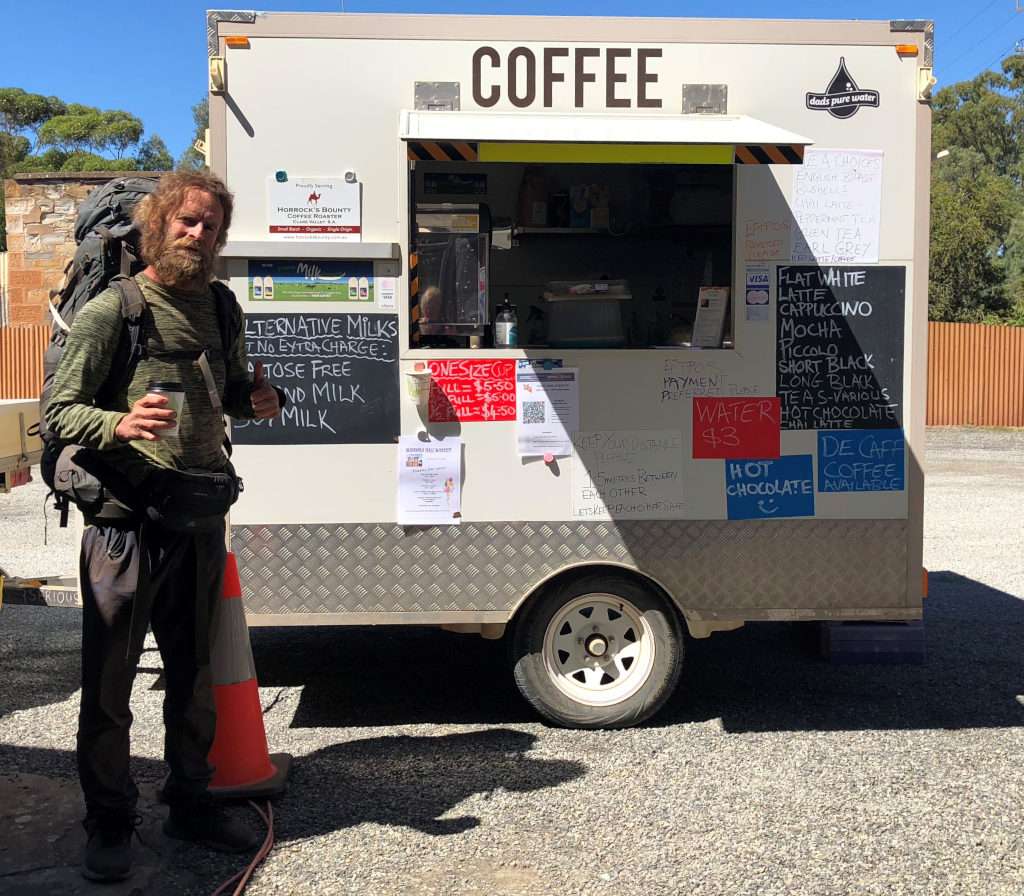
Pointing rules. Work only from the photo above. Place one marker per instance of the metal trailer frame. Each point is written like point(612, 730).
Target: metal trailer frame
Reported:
point(859, 559)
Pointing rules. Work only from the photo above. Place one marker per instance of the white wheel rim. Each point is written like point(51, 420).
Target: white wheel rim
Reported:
point(597, 620)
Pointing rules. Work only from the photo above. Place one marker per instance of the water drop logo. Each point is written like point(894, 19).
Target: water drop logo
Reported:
point(842, 98)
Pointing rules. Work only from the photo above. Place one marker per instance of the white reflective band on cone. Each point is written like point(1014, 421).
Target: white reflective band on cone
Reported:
point(231, 659)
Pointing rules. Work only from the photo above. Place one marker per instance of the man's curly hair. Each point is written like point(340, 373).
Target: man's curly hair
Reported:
point(152, 213)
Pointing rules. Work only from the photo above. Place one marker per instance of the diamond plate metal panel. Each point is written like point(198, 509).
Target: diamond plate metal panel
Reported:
point(707, 565)
point(214, 16)
point(925, 25)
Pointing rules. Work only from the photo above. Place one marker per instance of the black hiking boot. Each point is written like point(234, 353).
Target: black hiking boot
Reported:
point(211, 825)
point(108, 851)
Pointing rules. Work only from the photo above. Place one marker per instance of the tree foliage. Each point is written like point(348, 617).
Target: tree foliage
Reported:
point(44, 133)
point(976, 267)
point(192, 158)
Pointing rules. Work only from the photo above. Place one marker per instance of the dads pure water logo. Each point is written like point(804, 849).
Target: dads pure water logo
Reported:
point(842, 98)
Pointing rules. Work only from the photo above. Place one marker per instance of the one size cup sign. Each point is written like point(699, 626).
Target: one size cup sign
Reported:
point(842, 97)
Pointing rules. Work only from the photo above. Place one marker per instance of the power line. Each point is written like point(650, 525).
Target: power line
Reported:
point(976, 43)
point(974, 19)
point(1001, 57)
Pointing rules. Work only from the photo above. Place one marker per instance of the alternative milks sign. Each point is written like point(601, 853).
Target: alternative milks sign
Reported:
point(307, 208)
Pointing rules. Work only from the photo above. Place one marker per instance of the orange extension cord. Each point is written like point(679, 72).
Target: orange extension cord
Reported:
point(243, 876)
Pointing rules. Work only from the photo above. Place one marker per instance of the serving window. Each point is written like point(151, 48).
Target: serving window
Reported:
point(628, 256)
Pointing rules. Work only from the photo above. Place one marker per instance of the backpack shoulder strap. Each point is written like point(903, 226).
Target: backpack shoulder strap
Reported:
point(228, 324)
point(131, 348)
point(227, 319)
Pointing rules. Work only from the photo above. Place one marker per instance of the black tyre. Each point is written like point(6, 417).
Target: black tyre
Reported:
point(600, 651)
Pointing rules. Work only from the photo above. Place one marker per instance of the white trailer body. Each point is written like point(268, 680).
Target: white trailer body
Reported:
point(773, 474)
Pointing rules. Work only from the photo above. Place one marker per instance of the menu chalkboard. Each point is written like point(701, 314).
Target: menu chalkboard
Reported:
point(839, 355)
point(339, 371)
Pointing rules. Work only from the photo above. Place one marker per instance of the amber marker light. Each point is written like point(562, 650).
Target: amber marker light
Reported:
point(237, 41)
point(901, 49)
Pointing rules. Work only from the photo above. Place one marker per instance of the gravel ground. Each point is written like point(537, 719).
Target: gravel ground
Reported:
point(418, 770)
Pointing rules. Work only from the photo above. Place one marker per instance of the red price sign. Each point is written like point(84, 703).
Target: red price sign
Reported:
point(470, 391)
point(736, 428)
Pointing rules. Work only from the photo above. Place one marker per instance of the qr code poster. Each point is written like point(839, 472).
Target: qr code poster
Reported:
point(533, 412)
point(547, 411)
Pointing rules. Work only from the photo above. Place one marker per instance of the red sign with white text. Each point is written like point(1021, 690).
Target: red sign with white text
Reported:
point(472, 390)
point(736, 428)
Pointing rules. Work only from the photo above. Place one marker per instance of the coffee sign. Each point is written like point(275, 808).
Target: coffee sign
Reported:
point(528, 77)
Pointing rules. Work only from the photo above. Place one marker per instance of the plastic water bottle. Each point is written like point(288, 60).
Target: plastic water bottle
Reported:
point(506, 326)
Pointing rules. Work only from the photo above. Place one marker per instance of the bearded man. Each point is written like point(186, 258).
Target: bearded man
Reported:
point(136, 571)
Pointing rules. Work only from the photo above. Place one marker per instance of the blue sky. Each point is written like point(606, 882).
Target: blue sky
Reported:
point(150, 59)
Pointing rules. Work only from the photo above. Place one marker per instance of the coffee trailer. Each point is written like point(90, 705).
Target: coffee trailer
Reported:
point(711, 238)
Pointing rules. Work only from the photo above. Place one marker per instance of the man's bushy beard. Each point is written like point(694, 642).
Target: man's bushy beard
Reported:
point(183, 264)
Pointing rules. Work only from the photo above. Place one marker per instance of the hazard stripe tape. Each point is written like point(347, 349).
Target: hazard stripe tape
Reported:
point(770, 154)
point(414, 298)
point(428, 151)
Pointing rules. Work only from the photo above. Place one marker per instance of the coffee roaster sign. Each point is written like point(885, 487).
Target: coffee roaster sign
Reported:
point(842, 97)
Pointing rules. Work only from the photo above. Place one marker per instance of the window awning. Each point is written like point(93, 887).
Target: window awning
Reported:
point(703, 139)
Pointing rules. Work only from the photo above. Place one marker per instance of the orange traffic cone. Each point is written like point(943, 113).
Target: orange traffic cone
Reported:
point(243, 767)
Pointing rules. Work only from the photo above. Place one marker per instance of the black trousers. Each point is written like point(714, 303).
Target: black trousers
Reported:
point(179, 576)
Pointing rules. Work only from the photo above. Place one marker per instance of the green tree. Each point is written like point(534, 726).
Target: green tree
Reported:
point(973, 208)
point(43, 133)
point(977, 201)
point(82, 128)
point(20, 111)
point(983, 115)
point(192, 158)
point(153, 155)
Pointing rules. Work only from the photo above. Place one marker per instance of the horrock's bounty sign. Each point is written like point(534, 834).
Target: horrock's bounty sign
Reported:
point(306, 208)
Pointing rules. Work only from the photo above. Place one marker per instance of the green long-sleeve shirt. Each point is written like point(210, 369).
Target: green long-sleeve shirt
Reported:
point(177, 322)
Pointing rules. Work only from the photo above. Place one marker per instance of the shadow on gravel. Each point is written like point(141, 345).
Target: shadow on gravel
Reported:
point(392, 781)
point(412, 781)
point(770, 677)
point(40, 650)
point(764, 677)
point(389, 676)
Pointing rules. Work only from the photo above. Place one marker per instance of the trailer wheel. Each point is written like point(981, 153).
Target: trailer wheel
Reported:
point(601, 651)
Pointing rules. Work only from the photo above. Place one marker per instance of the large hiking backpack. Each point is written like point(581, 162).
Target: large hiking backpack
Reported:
point(108, 245)
point(107, 256)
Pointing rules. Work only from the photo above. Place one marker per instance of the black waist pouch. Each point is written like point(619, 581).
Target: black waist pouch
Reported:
point(189, 500)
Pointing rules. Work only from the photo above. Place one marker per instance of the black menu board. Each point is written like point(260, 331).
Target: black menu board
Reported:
point(839, 354)
point(339, 371)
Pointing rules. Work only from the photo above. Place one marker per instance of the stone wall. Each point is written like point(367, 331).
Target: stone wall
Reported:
point(41, 212)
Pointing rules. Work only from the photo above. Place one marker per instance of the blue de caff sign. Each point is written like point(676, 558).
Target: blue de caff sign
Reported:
point(861, 460)
point(765, 489)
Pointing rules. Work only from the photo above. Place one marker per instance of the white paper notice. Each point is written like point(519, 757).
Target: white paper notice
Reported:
point(314, 208)
point(628, 474)
point(386, 293)
point(707, 327)
point(429, 482)
point(837, 204)
point(547, 411)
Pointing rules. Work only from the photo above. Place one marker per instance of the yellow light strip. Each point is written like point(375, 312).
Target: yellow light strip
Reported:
point(608, 153)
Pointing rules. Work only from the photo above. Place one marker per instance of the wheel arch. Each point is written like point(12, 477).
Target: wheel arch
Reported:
point(695, 626)
point(578, 570)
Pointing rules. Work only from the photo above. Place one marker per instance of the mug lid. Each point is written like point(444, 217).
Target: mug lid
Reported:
point(165, 386)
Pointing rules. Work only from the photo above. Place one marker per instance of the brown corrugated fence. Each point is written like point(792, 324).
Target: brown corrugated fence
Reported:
point(21, 360)
point(975, 375)
point(975, 372)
